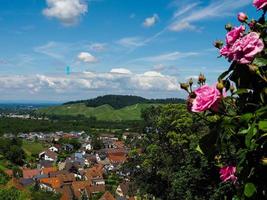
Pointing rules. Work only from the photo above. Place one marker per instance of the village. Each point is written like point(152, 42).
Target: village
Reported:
point(93, 169)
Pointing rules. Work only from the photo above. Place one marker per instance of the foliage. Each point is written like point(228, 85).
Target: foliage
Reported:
point(169, 166)
point(4, 178)
point(11, 125)
point(97, 144)
point(12, 194)
point(44, 195)
point(11, 150)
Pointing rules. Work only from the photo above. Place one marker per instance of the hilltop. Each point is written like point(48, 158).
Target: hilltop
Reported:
point(121, 101)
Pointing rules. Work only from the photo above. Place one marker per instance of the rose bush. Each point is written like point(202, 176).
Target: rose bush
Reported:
point(237, 140)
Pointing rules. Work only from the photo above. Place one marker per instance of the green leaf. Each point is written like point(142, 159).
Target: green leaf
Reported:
point(208, 143)
point(251, 132)
point(223, 75)
point(249, 190)
point(260, 62)
point(261, 111)
point(263, 125)
point(242, 91)
point(198, 149)
point(246, 117)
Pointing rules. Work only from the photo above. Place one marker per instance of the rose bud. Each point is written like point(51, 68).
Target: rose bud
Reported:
point(242, 17)
point(218, 44)
point(252, 23)
point(220, 85)
point(201, 79)
point(184, 86)
point(190, 82)
point(228, 27)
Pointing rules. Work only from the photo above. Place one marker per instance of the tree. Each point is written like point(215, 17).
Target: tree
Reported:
point(16, 155)
point(169, 166)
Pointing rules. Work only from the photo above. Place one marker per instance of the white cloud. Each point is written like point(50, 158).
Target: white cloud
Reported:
point(184, 17)
point(153, 74)
point(52, 49)
point(168, 56)
point(86, 57)
point(180, 26)
point(151, 21)
point(131, 42)
point(81, 83)
point(120, 71)
point(67, 11)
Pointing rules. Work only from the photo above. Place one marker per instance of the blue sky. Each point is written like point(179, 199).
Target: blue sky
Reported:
point(139, 47)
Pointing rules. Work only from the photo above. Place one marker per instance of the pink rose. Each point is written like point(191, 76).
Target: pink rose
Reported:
point(260, 4)
point(242, 17)
point(234, 34)
point(227, 173)
point(205, 97)
point(244, 49)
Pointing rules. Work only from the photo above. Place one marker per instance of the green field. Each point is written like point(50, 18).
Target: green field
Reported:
point(31, 148)
point(103, 113)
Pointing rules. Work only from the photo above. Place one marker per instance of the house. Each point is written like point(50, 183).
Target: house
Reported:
point(95, 175)
point(87, 146)
point(94, 189)
point(78, 188)
point(125, 190)
point(66, 192)
point(53, 148)
point(26, 182)
point(107, 196)
point(48, 155)
point(107, 136)
point(45, 163)
point(30, 173)
point(108, 144)
point(127, 135)
point(50, 184)
point(68, 147)
point(117, 158)
point(48, 170)
point(118, 144)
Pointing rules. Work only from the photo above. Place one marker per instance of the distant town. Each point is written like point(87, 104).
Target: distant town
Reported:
point(75, 165)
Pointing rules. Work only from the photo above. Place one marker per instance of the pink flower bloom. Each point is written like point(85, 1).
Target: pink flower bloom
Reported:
point(242, 17)
point(234, 35)
point(244, 49)
point(260, 4)
point(227, 173)
point(206, 97)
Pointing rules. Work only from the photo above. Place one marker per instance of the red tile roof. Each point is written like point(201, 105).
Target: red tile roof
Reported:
point(30, 173)
point(78, 187)
point(48, 170)
point(117, 157)
point(54, 182)
point(107, 196)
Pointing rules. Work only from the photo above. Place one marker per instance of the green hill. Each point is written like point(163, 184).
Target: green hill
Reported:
point(103, 112)
point(107, 108)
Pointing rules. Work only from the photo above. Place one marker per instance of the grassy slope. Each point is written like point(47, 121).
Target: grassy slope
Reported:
point(32, 147)
point(104, 112)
